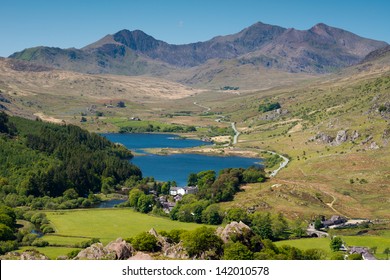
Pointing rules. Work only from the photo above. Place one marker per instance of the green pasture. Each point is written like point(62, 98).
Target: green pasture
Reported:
point(380, 242)
point(73, 226)
point(307, 243)
point(51, 252)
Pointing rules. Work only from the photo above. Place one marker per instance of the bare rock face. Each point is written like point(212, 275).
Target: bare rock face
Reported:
point(355, 135)
point(162, 241)
point(33, 255)
point(368, 139)
point(323, 138)
point(341, 137)
point(176, 251)
point(141, 256)
point(26, 255)
point(173, 251)
point(122, 250)
point(374, 146)
point(234, 230)
point(116, 250)
point(94, 252)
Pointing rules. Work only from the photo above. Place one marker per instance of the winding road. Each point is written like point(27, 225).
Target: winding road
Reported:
point(236, 133)
point(283, 164)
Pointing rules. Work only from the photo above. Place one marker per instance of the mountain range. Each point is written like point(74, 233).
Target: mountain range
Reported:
point(321, 49)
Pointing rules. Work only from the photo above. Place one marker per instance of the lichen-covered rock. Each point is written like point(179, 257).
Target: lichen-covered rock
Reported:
point(374, 146)
point(116, 250)
point(161, 240)
point(94, 252)
point(323, 138)
point(234, 230)
point(121, 249)
point(176, 251)
point(26, 255)
point(341, 138)
point(141, 256)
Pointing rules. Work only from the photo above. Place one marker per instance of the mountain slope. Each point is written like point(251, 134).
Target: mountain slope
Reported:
point(320, 49)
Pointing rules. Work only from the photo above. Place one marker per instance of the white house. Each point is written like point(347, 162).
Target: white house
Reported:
point(183, 191)
point(176, 191)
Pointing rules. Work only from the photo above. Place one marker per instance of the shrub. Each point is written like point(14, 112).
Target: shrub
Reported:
point(7, 246)
point(336, 243)
point(201, 240)
point(73, 254)
point(173, 235)
point(269, 107)
point(40, 243)
point(211, 215)
point(47, 229)
point(38, 218)
point(87, 243)
point(145, 242)
point(29, 238)
point(237, 251)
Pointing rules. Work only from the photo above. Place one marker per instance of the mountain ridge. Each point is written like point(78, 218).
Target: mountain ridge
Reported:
point(320, 49)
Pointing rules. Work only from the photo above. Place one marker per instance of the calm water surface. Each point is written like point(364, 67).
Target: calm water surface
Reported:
point(175, 167)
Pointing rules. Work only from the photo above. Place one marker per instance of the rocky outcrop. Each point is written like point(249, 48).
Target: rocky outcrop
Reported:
point(94, 252)
point(161, 240)
point(355, 135)
point(173, 251)
point(236, 231)
point(386, 136)
point(141, 256)
point(26, 255)
point(341, 137)
point(121, 249)
point(368, 139)
point(374, 146)
point(271, 115)
point(176, 251)
point(116, 250)
point(322, 138)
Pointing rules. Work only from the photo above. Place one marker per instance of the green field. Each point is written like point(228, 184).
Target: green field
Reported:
point(51, 252)
point(307, 243)
point(381, 242)
point(106, 224)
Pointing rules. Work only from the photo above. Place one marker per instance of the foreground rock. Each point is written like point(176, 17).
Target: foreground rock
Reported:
point(170, 250)
point(26, 255)
point(141, 256)
point(235, 231)
point(116, 250)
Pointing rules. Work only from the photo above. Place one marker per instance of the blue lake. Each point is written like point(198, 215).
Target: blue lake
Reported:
point(175, 167)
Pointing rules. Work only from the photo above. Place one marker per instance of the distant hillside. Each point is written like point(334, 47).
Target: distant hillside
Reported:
point(321, 49)
point(377, 54)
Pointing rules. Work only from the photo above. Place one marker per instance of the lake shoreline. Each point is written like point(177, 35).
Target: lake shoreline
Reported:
point(167, 157)
point(206, 150)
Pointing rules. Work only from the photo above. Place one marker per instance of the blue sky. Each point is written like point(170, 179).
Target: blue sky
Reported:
point(76, 23)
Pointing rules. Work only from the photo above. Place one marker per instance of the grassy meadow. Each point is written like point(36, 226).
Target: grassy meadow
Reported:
point(106, 224)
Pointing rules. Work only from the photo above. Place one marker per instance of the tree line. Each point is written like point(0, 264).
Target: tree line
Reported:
point(53, 163)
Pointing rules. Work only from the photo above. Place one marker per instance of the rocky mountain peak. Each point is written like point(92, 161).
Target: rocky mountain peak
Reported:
point(136, 40)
